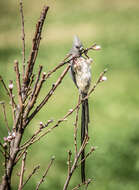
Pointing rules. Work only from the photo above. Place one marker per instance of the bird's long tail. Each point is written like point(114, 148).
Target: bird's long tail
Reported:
point(84, 132)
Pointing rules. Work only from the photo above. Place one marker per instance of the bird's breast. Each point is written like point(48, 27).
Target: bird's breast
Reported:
point(82, 68)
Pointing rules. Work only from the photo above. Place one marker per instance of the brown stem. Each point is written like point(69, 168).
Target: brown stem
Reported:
point(75, 163)
point(23, 36)
point(45, 173)
point(5, 117)
point(35, 95)
point(50, 93)
point(22, 171)
point(18, 82)
point(35, 46)
point(69, 161)
point(81, 184)
point(4, 85)
point(14, 149)
point(76, 126)
point(30, 175)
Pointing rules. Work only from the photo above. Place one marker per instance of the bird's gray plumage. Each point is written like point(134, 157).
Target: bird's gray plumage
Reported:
point(76, 47)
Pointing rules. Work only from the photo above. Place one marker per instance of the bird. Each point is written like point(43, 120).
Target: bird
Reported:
point(80, 69)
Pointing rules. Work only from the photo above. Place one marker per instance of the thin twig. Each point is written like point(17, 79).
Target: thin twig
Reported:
point(34, 136)
point(58, 66)
point(98, 81)
point(87, 155)
point(3, 153)
point(36, 82)
point(4, 85)
point(67, 114)
point(22, 171)
point(85, 51)
point(5, 117)
point(35, 46)
point(37, 91)
point(13, 104)
point(4, 148)
point(45, 173)
point(50, 93)
point(87, 183)
point(28, 90)
point(76, 126)
point(30, 175)
point(81, 184)
point(75, 162)
point(69, 161)
point(19, 156)
point(23, 36)
point(18, 82)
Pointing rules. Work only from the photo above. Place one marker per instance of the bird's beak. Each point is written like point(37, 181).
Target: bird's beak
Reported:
point(81, 49)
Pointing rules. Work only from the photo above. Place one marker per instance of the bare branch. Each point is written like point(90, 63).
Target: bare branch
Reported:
point(87, 183)
point(35, 95)
point(18, 82)
point(85, 51)
point(74, 165)
point(87, 155)
point(34, 136)
point(45, 173)
point(67, 114)
point(36, 82)
point(81, 184)
point(5, 116)
point(4, 85)
point(50, 93)
point(3, 153)
point(19, 156)
point(69, 161)
point(23, 36)
point(58, 66)
point(35, 46)
point(22, 171)
point(32, 173)
point(76, 126)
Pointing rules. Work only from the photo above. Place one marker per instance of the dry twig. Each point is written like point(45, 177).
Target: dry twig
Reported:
point(35, 46)
point(22, 171)
point(74, 165)
point(23, 36)
point(30, 175)
point(81, 184)
point(76, 126)
point(45, 173)
point(5, 116)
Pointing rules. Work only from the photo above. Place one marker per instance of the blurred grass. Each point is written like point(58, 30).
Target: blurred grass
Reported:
point(114, 105)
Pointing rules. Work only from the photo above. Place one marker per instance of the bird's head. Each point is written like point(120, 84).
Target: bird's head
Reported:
point(77, 46)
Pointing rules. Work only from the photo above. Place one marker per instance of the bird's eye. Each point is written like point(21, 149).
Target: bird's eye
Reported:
point(77, 47)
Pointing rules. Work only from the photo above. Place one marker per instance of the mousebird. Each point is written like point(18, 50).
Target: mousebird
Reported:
point(80, 69)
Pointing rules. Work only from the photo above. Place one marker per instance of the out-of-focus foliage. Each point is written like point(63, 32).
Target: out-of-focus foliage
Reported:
point(114, 106)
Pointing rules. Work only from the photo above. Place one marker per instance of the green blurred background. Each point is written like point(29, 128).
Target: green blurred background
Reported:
point(114, 24)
